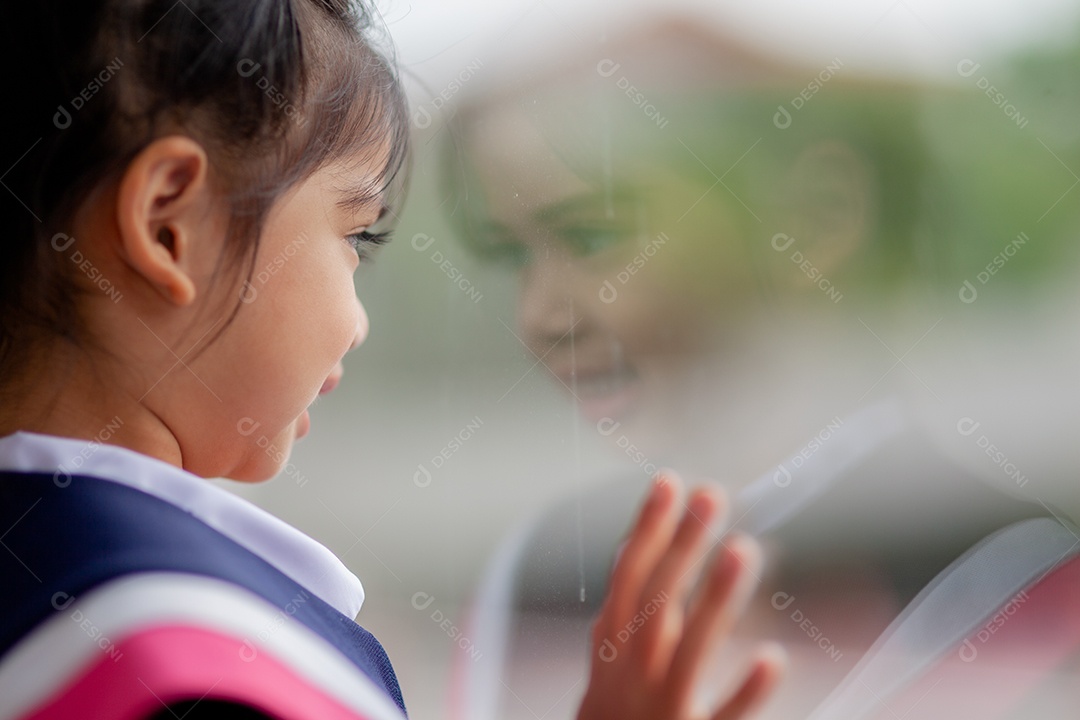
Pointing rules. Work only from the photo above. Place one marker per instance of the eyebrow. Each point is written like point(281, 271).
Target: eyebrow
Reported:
point(583, 202)
point(361, 197)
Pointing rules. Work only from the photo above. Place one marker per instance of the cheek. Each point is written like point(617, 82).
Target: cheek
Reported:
point(319, 323)
point(635, 306)
point(635, 320)
point(681, 294)
point(272, 363)
point(289, 339)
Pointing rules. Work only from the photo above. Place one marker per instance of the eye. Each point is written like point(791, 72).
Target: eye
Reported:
point(585, 240)
point(365, 243)
point(494, 243)
point(510, 254)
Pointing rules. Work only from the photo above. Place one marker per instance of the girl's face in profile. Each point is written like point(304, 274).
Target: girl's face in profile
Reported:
point(619, 286)
point(299, 316)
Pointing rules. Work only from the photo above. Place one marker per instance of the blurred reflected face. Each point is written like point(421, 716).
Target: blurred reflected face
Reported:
point(621, 281)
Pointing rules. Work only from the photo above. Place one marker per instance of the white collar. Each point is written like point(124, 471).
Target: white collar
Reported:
point(773, 499)
point(302, 558)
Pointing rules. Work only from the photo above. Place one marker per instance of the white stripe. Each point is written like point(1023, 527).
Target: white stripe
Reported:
point(61, 647)
point(773, 499)
point(490, 622)
point(962, 598)
point(302, 558)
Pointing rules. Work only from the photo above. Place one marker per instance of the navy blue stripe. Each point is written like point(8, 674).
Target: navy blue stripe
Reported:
point(70, 539)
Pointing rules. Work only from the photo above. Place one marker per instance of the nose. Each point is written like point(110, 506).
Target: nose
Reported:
point(358, 338)
point(546, 310)
point(362, 327)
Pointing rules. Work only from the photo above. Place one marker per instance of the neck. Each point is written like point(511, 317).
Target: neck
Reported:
point(62, 392)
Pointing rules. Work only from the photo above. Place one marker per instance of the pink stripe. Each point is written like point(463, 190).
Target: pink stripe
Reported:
point(994, 672)
point(178, 662)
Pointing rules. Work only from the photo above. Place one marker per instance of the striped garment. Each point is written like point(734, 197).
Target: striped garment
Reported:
point(131, 588)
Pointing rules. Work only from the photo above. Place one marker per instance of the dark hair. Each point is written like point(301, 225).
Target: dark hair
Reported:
point(273, 89)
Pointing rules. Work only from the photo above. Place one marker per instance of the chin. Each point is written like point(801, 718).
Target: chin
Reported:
point(264, 457)
point(253, 473)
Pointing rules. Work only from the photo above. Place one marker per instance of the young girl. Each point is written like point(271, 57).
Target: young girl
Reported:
point(161, 152)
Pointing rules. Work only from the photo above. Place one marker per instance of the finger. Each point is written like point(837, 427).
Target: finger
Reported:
point(728, 588)
point(760, 684)
point(672, 578)
point(672, 575)
point(647, 541)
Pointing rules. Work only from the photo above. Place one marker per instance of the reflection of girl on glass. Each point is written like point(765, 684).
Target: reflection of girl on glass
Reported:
point(720, 292)
point(140, 354)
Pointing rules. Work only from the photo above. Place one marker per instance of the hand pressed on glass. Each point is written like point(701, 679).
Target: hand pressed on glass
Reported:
point(649, 644)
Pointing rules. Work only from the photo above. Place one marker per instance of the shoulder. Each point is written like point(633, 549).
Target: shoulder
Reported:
point(131, 646)
point(997, 629)
point(83, 538)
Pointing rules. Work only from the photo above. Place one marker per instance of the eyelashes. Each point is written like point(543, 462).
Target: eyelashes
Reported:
point(365, 243)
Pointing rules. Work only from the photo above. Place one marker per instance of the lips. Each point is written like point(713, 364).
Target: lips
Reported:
point(333, 379)
point(602, 392)
point(329, 384)
point(303, 424)
point(600, 384)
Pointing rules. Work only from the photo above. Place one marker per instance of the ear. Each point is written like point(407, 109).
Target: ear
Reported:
point(831, 199)
point(162, 205)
